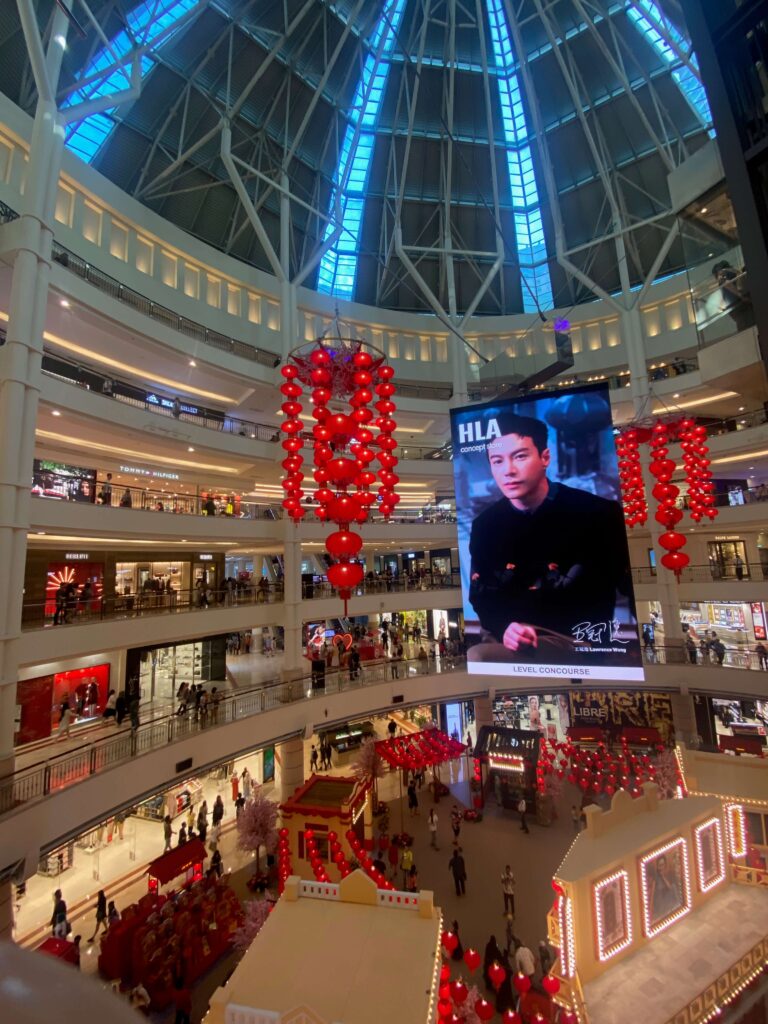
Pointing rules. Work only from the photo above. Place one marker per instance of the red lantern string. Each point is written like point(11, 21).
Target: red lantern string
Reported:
point(631, 477)
point(284, 865)
point(343, 444)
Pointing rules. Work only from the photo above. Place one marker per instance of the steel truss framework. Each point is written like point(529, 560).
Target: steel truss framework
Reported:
point(241, 131)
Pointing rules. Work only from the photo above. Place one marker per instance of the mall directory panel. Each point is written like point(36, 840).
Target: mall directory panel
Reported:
point(543, 548)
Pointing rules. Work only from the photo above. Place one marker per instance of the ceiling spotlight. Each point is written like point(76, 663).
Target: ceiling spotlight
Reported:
point(65, 303)
point(741, 408)
point(703, 209)
point(192, 362)
point(677, 395)
point(41, 533)
point(190, 449)
point(55, 412)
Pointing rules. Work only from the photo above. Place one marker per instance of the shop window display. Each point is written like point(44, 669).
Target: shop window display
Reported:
point(40, 700)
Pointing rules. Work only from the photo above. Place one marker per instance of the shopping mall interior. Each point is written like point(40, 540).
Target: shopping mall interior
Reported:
point(432, 336)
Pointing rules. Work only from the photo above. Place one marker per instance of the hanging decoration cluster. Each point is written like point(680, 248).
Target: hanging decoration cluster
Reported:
point(345, 443)
point(284, 865)
point(698, 477)
point(459, 1002)
point(601, 770)
point(419, 750)
point(366, 863)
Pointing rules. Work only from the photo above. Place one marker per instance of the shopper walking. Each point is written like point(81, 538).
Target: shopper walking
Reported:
point(59, 923)
point(202, 815)
point(522, 807)
point(218, 811)
point(546, 958)
point(313, 759)
point(413, 800)
point(182, 695)
point(406, 863)
point(762, 654)
point(492, 955)
point(168, 832)
point(65, 721)
point(576, 818)
point(458, 953)
point(245, 780)
point(456, 820)
point(110, 706)
point(61, 604)
point(120, 708)
point(432, 821)
point(239, 805)
point(182, 834)
point(508, 891)
point(525, 962)
point(113, 914)
point(101, 914)
point(459, 871)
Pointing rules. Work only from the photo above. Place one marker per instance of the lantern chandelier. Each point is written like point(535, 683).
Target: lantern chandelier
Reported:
point(699, 498)
point(343, 376)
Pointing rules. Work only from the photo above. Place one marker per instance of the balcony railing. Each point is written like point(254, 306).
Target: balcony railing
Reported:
point(715, 572)
point(79, 611)
point(147, 499)
point(171, 406)
point(111, 286)
point(92, 758)
point(740, 658)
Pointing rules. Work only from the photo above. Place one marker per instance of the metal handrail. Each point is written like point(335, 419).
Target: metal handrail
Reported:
point(67, 769)
point(186, 411)
point(711, 573)
point(111, 286)
point(739, 658)
point(42, 614)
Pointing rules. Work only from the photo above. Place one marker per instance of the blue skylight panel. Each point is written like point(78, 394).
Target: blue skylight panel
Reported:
point(145, 23)
point(338, 267)
point(645, 15)
point(526, 206)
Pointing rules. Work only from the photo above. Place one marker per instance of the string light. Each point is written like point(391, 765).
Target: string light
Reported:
point(660, 926)
point(704, 884)
point(736, 830)
point(507, 762)
point(606, 952)
point(733, 994)
point(567, 941)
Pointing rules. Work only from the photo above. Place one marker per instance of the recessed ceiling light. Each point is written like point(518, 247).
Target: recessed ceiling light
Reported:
point(65, 303)
point(41, 533)
point(192, 362)
point(55, 412)
point(677, 395)
point(190, 449)
point(741, 408)
point(703, 209)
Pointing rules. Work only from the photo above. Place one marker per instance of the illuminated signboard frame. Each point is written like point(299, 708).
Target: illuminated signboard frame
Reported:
point(709, 831)
point(607, 949)
point(654, 928)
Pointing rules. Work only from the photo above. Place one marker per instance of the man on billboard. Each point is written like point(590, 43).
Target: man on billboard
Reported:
point(548, 560)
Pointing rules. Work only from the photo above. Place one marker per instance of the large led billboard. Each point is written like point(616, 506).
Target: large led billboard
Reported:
point(545, 575)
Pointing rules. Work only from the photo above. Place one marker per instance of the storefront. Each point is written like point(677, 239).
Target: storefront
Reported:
point(121, 580)
point(552, 714)
point(725, 722)
point(727, 558)
point(738, 624)
point(158, 671)
point(39, 701)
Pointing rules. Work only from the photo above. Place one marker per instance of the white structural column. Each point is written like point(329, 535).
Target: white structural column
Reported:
point(289, 757)
point(293, 664)
point(29, 241)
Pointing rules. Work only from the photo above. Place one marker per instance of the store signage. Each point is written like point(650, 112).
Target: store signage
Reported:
point(544, 594)
point(728, 536)
point(205, 558)
point(159, 473)
point(76, 556)
point(169, 403)
point(758, 620)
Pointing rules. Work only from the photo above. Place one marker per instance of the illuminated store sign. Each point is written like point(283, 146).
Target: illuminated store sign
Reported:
point(542, 543)
point(205, 558)
point(169, 403)
point(159, 473)
point(506, 763)
point(76, 556)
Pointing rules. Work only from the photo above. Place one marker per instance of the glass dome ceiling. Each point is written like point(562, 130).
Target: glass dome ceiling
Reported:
point(475, 154)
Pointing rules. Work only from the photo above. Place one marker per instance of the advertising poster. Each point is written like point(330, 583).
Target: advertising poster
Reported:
point(61, 482)
point(663, 886)
point(616, 709)
point(543, 549)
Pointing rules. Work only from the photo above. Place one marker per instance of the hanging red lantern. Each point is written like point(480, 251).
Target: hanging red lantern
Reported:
point(521, 983)
point(497, 974)
point(511, 1017)
point(472, 959)
point(484, 1009)
point(550, 984)
point(449, 941)
point(344, 446)
point(459, 991)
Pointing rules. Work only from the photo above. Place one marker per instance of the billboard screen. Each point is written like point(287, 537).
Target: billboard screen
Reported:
point(545, 575)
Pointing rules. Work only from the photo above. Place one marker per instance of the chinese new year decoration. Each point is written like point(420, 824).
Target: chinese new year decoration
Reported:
point(345, 441)
point(698, 477)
